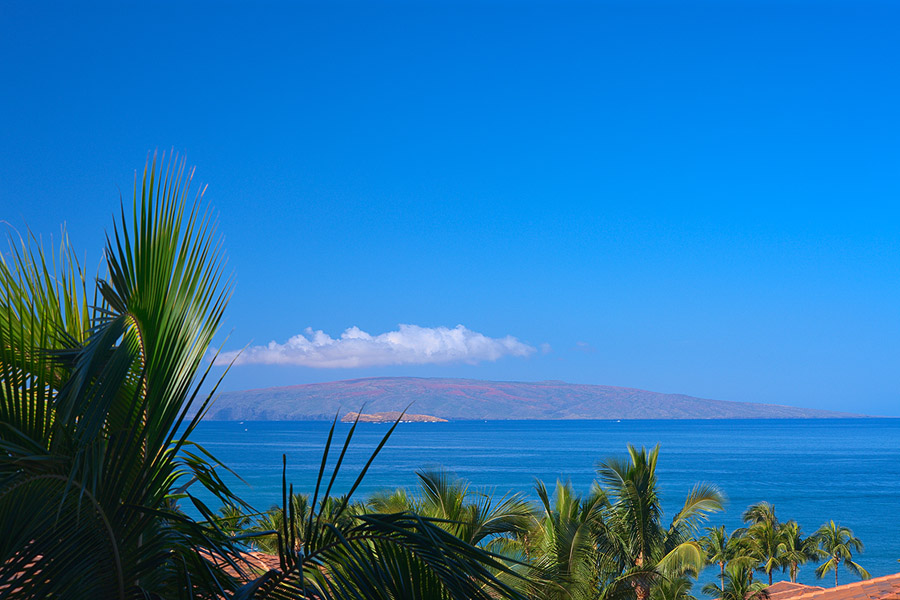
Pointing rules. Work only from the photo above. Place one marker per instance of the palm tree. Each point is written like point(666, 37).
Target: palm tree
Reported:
point(97, 385)
point(744, 557)
point(759, 546)
point(765, 542)
point(262, 532)
point(645, 547)
point(797, 550)
point(398, 500)
point(674, 588)
point(740, 553)
point(477, 517)
point(474, 516)
point(233, 520)
point(739, 585)
point(761, 512)
point(837, 544)
point(561, 545)
point(718, 549)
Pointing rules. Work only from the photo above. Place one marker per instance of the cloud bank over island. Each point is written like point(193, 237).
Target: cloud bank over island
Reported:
point(409, 345)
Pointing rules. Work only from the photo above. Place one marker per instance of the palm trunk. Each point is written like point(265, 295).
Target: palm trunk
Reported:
point(835, 574)
point(722, 576)
point(641, 588)
point(770, 577)
point(793, 572)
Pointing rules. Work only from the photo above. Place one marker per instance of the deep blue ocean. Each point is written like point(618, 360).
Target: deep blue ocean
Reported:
point(811, 470)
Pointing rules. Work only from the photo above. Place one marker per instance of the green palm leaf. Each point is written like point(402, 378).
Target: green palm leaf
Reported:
point(97, 386)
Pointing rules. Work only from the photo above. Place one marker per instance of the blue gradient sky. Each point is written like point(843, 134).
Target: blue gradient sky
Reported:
point(693, 197)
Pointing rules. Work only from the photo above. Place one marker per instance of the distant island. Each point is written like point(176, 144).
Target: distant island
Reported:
point(472, 399)
point(390, 417)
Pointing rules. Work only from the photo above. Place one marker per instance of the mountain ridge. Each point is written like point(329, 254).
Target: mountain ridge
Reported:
point(475, 399)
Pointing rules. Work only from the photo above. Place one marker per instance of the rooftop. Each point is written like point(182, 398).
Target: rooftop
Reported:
point(878, 588)
point(785, 590)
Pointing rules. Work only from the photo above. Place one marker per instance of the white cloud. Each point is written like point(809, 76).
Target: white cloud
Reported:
point(409, 345)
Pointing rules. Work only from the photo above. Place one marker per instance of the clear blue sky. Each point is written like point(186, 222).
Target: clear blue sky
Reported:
point(693, 197)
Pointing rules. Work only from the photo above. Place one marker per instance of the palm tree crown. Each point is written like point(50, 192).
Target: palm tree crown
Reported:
point(738, 585)
point(797, 550)
point(719, 549)
point(761, 512)
point(562, 544)
point(837, 543)
point(764, 541)
point(646, 548)
point(475, 516)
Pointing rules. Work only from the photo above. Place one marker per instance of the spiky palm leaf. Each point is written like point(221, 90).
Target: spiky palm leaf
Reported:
point(673, 588)
point(262, 533)
point(474, 516)
point(738, 586)
point(477, 517)
point(95, 454)
point(563, 543)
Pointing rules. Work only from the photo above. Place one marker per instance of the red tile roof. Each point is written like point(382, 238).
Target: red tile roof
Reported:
point(785, 590)
point(879, 588)
point(253, 564)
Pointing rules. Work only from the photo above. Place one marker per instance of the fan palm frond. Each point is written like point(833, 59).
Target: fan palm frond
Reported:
point(97, 387)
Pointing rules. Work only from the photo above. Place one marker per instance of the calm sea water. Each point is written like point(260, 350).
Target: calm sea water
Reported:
point(811, 470)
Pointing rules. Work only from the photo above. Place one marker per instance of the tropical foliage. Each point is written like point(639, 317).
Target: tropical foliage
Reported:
point(797, 549)
point(674, 588)
point(764, 542)
point(97, 385)
point(719, 550)
point(767, 545)
point(643, 546)
point(474, 516)
point(837, 545)
point(738, 585)
point(562, 543)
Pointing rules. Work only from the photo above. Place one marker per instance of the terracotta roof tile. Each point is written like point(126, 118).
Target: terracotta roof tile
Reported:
point(879, 588)
point(785, 590)
point(255, 563)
